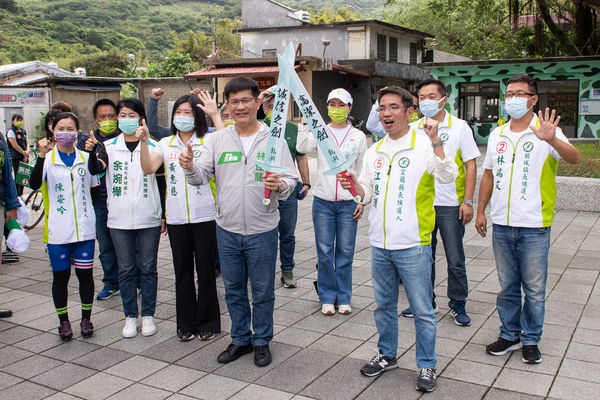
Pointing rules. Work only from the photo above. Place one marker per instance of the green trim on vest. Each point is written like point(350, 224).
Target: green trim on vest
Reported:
point(548, 189)
point(461, 178)
point(424, 199)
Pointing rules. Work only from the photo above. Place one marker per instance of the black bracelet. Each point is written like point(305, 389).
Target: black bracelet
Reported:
point(307, 184)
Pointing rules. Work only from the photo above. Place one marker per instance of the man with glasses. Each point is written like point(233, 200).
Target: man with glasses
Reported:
point(397, 178)
point(519, 178)
point(246, 228)
point(453, 201)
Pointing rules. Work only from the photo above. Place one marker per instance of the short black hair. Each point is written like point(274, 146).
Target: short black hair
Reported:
point(62, 106)
point(134, 104)
point(240, 84)
point(49, 120)
point(64, 115)
point(16, 116)
point(528, 79)
point(407, 100)
point(440, 85)
point(103, 102)
point(200, 125)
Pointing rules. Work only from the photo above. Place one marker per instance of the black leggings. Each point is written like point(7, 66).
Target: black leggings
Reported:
point(60, 291)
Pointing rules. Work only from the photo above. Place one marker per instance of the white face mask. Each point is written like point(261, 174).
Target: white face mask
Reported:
point(516, 107)
point(430, 108)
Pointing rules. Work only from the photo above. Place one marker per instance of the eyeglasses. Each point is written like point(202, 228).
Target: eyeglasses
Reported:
point(510, 95)
point(245, 101)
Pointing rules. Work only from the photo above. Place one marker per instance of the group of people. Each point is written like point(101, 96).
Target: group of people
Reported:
point(205, 191)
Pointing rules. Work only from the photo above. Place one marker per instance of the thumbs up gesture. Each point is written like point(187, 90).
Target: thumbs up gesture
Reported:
point(186, 158)
point(90, 143)
point(142, 132)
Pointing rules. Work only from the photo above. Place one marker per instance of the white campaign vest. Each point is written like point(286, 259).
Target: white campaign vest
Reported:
point(460, 145)
point(524, 177)
point(132, 197)
point(185, 203)
point(69, 214)
point(402, 213)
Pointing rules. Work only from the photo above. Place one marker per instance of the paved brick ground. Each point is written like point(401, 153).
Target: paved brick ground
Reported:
point(313, 356)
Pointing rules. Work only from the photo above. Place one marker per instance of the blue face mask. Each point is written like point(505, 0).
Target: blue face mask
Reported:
point(128, 125)
point(183, 123)
point(516, 107)
point(430, 108)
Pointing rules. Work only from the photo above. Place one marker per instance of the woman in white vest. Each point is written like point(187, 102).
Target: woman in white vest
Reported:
point(335, 215)
point(134, 216)
point(190, 214)
point(65, 174)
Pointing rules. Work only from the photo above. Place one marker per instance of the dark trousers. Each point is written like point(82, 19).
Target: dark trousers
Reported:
point(195, 244)
point(15, 165)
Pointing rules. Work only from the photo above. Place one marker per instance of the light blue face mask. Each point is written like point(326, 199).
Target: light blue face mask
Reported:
point(128, 125)
point(183, 123)
point(516, 107)
point(430, 108)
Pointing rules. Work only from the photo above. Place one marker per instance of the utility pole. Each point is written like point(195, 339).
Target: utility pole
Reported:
point(214, 47)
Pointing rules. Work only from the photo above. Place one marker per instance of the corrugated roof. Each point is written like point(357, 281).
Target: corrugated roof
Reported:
point(236, 71)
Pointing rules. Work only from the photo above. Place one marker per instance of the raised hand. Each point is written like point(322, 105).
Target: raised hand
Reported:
point(90, 143)
point(209, 103)
point(157, 93)
point(44, 147)
point(142, 132)
point(431, 129)
point(547, 129)
point(186, 158)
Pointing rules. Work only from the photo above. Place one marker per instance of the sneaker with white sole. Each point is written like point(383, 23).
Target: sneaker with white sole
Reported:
point(407, 312)
point(148, 326)
point(378, 364)
point(130, 329)
point(328, 309)
point(344, 309)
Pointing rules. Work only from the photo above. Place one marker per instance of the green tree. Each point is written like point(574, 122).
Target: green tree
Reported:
point(106, 63)
point(328, 15)
point(176, 64)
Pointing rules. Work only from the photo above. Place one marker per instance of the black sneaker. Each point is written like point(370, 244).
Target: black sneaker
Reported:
point(426, 381)
point(184, 336)
point(233, 352)
point(531, 354)
point(502, 346)
point(262, 355)
point(378, 364)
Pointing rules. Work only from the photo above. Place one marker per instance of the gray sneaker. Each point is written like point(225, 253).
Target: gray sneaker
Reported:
point(426, 380)
point(287, 278)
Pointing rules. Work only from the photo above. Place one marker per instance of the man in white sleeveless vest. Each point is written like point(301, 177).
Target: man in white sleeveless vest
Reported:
point(519, 177)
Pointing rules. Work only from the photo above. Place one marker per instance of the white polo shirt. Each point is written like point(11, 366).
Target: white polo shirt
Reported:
point(460, 145)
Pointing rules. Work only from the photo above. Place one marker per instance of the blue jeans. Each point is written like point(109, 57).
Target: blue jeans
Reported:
point(136, 251)
point(254, 257)
point(288, 215)
point(413, 266)
point(107, 256)
point(452, 232)
point(522, 262)
point(335, 236)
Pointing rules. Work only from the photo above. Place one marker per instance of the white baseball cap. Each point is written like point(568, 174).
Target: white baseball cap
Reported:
point(341, 94)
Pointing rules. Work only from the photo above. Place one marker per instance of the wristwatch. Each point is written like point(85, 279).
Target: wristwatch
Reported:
point(468, 203)
point(437, 144)
point(280, 188)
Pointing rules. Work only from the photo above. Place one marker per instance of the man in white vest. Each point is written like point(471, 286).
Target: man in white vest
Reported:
point(519, 178)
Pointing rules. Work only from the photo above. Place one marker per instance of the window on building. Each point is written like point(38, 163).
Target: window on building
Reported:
point(381, 47)
point(479, 101)
point(269, 53)
point(413, 53)
point(393, 49)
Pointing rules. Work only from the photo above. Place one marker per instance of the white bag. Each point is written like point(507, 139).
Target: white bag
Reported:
point(22, 213)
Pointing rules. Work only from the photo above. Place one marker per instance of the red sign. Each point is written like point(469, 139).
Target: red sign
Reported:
point(265, 82)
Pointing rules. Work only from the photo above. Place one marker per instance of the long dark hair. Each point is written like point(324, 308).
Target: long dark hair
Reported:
point(200, 125)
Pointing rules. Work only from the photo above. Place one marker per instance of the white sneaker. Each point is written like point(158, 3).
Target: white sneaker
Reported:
point(344, 309)
point(327, 309)
point(130, 329)
point(148, 326)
